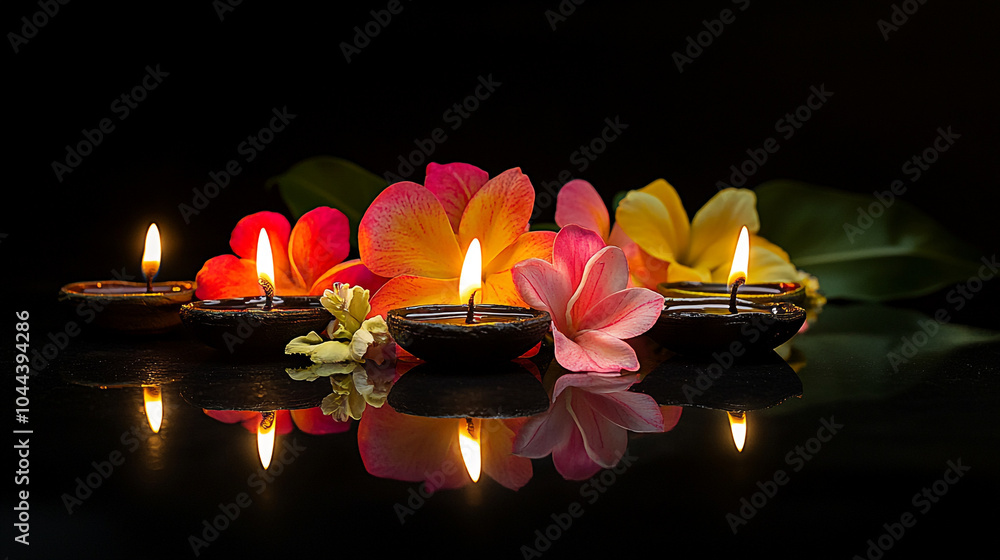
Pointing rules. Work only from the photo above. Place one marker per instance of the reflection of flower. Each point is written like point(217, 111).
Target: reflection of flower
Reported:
point(307, 258)
point(309, 420)
point(415, 448)
point(353, 390)
point(352, 338)
point(585, 291)
point(418, 235)
point(586, 427)
point(578, 203)
point(701, 250)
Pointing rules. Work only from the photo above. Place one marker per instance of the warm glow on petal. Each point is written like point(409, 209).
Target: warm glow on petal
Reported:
point(404, 291)
point(717, 224)
point(531, 244)
point(406, 231)
point(498, 213)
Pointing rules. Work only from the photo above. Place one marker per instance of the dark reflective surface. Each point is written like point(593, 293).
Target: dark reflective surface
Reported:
point(840, 442)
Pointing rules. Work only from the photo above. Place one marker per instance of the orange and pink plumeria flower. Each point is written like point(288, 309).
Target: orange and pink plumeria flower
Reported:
point(418, 235)
point(585, 290)
point(307, 258)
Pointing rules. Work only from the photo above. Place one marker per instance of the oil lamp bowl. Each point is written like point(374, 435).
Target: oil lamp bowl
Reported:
point(703, 326)
point(502, 333)
point(766, 292)
point(127, 307)
point(243, 326)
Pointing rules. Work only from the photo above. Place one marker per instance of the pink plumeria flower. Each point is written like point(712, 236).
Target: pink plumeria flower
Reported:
point(586, 427)
point(585, 290)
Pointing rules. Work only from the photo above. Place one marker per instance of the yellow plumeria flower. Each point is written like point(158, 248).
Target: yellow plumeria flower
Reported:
point(701, 250)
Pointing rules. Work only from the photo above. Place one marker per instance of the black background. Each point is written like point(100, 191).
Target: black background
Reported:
point(557, 88)
point(605, 60)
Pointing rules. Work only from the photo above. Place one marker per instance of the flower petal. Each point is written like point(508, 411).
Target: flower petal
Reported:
point(497, 214)
point(414, 448)
point(646, 270)
point(226, 276)
point(406, 231)
point(606, 273)
point(572, 461)
point(578, 203)
point(604, 441)
point(651, 224)
point(543, 433)
point(542, 287)
point(594, 351)
point(499, 288)
point(593, 383)
point(529, 245)
point(245, 234)
point(572, 249)
point(671, 416)
point(404, 291)
point(319, 241)
point(624, 314)
point(352, 272)
point(313, 421)
point(716, 227)
point(499, 462)
point(765, 266)
point(454, 184)
point(635, 412)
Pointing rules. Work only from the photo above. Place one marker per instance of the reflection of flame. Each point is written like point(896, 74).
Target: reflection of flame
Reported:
point(472, 271)
point(468, 441)
point(265, 262)
point(151, 253)
point(741, 257)
point(265, 438)
point(738, 423)
point(154, 406)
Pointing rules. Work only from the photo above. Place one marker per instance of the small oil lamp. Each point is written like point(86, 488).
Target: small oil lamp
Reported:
point(255, 324)
point(136, 307)
point(757, 292)
point(719, 324)
point(473, 331)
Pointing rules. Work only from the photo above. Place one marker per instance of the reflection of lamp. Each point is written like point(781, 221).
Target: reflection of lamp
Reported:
point(468, 441)
point(265, 437)
point(152, 399)
point(738, 425)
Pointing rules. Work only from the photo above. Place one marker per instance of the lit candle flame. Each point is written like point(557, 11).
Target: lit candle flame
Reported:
point(468, 442)
point(265, 262)
point(741, 257)
point(151, 253)
point(153, 399)
point(472, 271)
point(738, 424)
point(265, 437)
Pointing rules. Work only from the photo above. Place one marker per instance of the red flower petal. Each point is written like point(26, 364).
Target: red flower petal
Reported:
point(245, 234)
point(319, 241)
point(226, 276)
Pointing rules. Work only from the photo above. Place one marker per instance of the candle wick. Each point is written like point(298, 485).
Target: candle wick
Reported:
point(268, 292)
point(470, 316)
point(149, 285)
point(736, 286)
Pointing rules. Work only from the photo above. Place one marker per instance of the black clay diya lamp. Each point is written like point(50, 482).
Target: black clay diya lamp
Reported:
point(136, 307)
point(471, 332)
point(255, 324)
point(727, 324)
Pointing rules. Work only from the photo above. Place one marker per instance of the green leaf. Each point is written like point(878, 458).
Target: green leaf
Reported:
point(618, 198)
point(866, 351)
point(902, 253)
point(329, 181)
